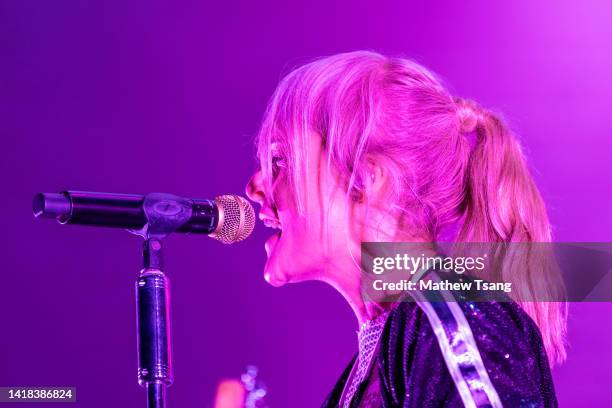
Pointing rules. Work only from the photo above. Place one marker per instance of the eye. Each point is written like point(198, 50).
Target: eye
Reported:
point(278, 163)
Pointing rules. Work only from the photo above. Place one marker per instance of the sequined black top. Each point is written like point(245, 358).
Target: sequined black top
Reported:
point(410, 370)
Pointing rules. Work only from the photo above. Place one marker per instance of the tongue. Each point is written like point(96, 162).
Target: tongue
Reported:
point(271, 242)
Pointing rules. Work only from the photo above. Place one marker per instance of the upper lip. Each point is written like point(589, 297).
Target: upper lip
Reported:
point(270, 221)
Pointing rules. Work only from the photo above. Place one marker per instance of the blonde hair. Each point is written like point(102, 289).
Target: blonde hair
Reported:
point(450, 160)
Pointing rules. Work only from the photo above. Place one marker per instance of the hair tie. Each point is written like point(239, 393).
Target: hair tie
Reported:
point(467, 120)
point(467, 115)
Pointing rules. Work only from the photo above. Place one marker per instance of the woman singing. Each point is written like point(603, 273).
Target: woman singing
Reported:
point(359, 147)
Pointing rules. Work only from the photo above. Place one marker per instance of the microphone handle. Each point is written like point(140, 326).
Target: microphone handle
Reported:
point(119, 210)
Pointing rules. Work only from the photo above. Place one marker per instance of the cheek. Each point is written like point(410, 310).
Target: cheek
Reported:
point(296, 230)
point(300, 249)
point(320, 234)
point(308, 242)
point(281, 194)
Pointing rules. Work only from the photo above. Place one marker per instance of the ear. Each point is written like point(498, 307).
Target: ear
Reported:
point(376, 178)
point(372, 215)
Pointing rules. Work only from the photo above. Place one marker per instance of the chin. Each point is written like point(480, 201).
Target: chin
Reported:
point(274, 275)
point(273, 280)
point(278, 276)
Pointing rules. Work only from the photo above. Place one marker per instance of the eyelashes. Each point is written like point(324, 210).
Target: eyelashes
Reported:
point(278, 163)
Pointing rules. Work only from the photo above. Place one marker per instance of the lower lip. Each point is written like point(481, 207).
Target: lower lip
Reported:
point(271, 242)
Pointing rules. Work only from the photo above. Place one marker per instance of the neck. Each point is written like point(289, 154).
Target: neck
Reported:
point(349, 286)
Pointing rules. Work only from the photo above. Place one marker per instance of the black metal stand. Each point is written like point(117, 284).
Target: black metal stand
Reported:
point(164, 214)
point(153, 304)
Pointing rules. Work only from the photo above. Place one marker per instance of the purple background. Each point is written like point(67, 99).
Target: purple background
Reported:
point(138, 97)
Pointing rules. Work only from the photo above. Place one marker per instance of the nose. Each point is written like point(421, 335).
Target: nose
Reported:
point(254, 188)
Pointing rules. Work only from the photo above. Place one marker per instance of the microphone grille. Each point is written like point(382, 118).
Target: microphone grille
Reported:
point(236, 219)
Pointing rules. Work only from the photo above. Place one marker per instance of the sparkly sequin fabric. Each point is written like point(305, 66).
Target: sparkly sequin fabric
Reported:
point(411, 370)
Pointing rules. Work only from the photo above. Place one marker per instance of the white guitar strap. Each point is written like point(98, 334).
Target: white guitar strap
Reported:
point(458, 347)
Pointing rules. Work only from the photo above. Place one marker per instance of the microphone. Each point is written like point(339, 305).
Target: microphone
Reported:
point(227, 218)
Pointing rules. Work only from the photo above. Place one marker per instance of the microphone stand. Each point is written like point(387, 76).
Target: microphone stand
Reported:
point(165, 213)
point(228, 219)
point(153, 304)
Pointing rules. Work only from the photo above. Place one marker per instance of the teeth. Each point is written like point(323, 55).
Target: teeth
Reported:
point(272, 223)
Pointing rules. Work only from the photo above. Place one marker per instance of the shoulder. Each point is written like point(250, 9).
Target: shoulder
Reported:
point(508, 342)
point(410, 362)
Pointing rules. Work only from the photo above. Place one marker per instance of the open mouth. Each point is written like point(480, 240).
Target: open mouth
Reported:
point(273, 223)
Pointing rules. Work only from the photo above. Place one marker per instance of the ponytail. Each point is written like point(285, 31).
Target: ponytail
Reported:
point(503, 205)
